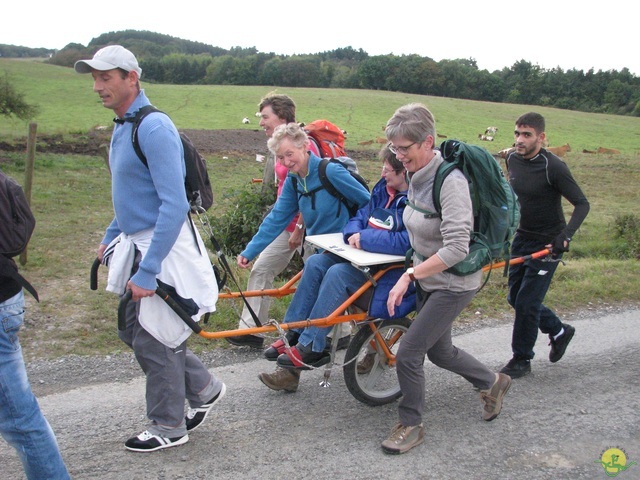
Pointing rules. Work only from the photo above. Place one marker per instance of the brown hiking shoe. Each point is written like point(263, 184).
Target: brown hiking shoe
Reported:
point(492, 398)
point(403, 439)
point(282, 379)
point(365, 365)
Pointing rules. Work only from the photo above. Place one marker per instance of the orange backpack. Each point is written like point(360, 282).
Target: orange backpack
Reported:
point(328, 137)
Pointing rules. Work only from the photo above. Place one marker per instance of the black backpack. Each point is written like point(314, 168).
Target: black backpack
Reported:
point(352, 168)
point(496, 211)
point(196, 183)
point(18, 223)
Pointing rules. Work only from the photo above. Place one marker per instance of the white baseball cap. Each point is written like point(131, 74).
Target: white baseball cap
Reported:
point(108, 58)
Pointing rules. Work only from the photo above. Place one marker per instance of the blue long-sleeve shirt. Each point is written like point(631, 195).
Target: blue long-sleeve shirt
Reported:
point(148, 198)
point(318, 210)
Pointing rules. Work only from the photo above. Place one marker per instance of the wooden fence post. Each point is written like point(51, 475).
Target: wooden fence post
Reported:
point(269, 173)
point(103, 151)
point(28, 173)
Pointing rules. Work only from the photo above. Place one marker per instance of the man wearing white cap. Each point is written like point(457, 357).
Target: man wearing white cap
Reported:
point(152, 238)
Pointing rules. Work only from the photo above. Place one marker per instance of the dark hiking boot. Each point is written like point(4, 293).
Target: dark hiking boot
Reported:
point(517, 367)
point(343, 343)
point(252, 341)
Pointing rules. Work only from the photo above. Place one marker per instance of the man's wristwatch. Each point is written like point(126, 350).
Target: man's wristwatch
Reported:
point(410, 271)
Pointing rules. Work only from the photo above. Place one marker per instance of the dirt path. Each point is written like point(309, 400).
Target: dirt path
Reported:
point(556, 422)
point(248, 141)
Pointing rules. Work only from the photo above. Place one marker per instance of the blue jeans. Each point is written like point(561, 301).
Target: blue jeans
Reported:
point(22, 424)
point(528, 285)
point(327, 281)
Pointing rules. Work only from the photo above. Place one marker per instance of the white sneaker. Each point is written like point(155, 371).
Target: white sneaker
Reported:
point(148, 442)
point(196, 416)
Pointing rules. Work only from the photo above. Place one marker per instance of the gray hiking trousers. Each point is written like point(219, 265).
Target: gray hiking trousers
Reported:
point(173, 376)
point(430, 334)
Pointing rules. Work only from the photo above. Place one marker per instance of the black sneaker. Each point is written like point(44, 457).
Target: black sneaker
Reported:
point(196, 416)
point(252, 341)
point(517, 367)
point(303, 358)
point(559, 346)
point(148, 442)
point(343, 343)
point(278, 347)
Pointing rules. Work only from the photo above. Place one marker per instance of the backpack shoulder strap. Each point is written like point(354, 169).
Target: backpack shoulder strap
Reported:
point(9, 269)
point(442, 173)
point(136, 120)
point(425, 212)
point(324, 179)
point(328, 186)
point(316, 145)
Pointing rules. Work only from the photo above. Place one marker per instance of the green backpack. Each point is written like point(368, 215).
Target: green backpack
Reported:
point(496, 212)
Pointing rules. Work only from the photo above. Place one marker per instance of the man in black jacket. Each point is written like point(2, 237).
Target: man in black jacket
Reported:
point(541, 180)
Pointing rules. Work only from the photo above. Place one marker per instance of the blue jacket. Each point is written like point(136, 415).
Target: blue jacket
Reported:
point(318, 211)
point(392, 242)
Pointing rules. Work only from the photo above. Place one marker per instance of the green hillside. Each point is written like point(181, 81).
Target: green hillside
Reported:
point(71, 193)
point(68, 104)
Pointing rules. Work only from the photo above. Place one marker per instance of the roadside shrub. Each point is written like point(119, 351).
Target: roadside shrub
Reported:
point(240, 221)
point(627, 229)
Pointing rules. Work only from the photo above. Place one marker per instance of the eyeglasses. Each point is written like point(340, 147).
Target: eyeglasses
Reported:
point(400, 150)
point(385, 170)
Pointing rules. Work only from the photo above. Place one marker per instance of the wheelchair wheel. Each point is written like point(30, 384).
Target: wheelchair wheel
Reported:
point(377, 383)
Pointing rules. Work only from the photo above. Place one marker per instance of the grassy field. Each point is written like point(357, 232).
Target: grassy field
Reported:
point(71, 194)
point(68, 104)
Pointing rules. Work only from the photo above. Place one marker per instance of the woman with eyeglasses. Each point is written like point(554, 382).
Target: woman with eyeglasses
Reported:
point(439, 242)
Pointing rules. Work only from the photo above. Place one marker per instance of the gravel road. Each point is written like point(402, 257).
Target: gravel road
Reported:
point(556, 423)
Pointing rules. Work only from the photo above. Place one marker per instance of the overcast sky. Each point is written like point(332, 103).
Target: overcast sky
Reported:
point(496, 33)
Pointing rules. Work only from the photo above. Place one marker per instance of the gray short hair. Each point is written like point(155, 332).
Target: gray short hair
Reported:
point(413, 121)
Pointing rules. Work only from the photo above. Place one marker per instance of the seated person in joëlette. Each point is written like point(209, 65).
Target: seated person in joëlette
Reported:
point(328, 280)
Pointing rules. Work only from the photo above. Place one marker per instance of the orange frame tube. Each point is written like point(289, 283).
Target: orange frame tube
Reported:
point(337, 316)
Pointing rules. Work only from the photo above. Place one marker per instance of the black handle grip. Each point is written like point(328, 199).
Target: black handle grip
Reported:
point(178, 310)
point(122, 310)
point(124, 300)
point(93, 277)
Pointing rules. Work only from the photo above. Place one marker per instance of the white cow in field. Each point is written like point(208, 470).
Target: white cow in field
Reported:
point(245, 120)
point(487, 138)
point(491, 131)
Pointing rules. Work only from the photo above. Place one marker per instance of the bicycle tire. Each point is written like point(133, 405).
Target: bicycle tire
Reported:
point(379, 386)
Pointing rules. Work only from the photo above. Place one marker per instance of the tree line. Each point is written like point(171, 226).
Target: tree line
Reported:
point(166, 59)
